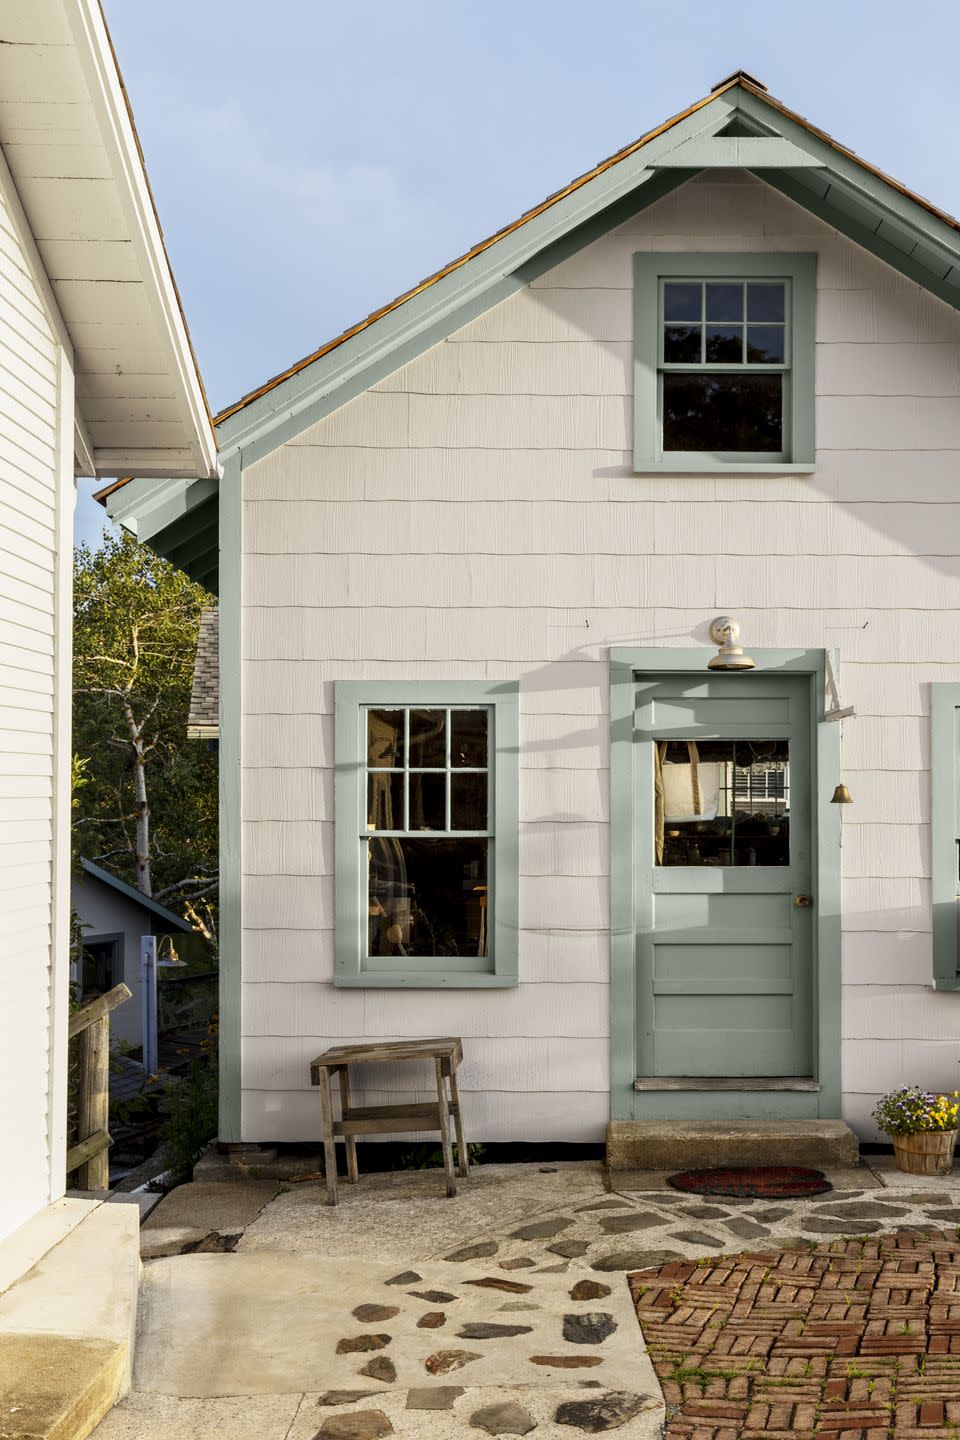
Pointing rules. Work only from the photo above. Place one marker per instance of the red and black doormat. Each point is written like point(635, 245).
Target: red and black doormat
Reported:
point(757, 1182)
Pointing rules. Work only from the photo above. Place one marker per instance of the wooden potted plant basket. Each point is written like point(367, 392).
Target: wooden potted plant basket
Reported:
point(923, 1128)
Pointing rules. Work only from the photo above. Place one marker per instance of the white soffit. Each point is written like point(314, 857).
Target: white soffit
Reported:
point(74, 158)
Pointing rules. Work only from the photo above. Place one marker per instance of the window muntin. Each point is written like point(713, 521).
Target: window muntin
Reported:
point(722, 802)
point(428, 831)
point(723, 363)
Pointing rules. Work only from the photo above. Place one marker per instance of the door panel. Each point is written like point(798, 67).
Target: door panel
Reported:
point(723, 951)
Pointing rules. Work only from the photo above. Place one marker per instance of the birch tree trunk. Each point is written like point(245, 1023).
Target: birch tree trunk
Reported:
point(141, 805)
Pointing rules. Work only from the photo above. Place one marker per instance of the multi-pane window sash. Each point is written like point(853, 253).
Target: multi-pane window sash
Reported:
point(426, 882)
point(724, 366)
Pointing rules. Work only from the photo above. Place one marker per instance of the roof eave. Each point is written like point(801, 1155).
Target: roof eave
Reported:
point(108, 97)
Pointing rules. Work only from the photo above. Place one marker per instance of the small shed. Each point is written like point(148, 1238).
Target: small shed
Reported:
point(114, 916)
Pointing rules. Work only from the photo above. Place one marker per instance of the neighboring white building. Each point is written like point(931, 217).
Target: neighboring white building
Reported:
point(96, 377)
point(469, 554)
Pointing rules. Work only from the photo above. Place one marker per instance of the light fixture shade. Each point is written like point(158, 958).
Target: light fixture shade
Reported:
point(841, 796)
point(725, 633)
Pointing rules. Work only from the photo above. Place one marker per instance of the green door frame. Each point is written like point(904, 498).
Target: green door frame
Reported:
point(626, 1103)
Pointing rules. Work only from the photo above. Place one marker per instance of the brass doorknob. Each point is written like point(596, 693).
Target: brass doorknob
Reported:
point(802, 902)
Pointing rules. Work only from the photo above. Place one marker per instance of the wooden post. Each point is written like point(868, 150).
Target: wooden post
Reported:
point(353, 1170)
point(443, 1116)
point(90, 1027)
point(94, 1108)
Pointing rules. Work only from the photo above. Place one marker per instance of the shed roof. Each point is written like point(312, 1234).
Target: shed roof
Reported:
point(69, 143)
point(738, 125)
point(129, 892)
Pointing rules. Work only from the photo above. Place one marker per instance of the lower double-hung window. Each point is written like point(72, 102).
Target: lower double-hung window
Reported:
point(426, 821)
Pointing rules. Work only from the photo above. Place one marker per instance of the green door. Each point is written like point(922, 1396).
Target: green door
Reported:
point(724, 900)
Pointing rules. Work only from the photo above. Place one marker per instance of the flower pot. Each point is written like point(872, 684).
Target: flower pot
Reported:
point(929, 1153)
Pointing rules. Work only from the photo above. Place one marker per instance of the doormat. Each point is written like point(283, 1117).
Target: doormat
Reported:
point(757, 1182)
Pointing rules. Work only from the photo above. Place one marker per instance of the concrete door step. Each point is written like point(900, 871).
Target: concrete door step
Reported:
point(689, 1144)
point(68, 1307)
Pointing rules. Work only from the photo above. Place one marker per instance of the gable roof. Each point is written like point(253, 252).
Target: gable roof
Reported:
point(738, 125)
point(129, 892)
point(72, 167)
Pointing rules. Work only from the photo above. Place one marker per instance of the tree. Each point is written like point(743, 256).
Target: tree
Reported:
point(148, 810)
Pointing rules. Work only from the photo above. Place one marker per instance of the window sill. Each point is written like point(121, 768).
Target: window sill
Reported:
point(424, 980)
point(693, 465)
point(949, 982)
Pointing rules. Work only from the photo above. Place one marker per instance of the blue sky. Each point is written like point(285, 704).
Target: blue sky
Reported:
point(313, 158)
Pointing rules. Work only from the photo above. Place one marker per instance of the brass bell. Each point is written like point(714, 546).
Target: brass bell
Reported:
point(725, 633)
point(841, 796)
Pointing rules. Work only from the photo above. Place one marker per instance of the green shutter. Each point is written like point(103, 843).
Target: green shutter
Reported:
point(945, 831)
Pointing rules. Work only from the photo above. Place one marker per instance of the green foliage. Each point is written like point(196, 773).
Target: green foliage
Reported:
point(912, 1111)
point(430, 1157)
point(190, 1104)
point(136, 619)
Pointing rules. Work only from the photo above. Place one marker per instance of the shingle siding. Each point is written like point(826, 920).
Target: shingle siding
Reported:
point(477, 516)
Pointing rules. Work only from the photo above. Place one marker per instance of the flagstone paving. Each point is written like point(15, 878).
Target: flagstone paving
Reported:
point(444, 1318)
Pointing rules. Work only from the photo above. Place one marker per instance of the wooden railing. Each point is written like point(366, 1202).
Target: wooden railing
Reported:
point(91, 1026)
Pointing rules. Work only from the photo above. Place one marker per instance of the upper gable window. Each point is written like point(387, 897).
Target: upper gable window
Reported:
point(724, 362)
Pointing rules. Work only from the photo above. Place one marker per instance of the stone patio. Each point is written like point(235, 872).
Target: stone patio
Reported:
point(503, 1311)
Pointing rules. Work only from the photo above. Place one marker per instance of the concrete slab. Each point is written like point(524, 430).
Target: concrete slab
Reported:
point(164, 1240)
point(26, 1246)
point(683, 1144)
point(269, 1322)
point(55, 1387)
point(402, 1217)
point(888, 1173)
point(212, 1205)
point(85, 1287)
point(636, 1182)
point(168, 1417)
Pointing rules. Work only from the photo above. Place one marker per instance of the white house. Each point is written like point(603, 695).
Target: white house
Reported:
point(477, 778)
point(96, 377)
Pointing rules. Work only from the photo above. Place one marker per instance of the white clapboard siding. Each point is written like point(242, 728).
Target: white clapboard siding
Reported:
point(29, 545)
point(476, 515)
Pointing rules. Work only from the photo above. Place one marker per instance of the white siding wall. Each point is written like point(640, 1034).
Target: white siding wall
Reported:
point(34, 625)
point(476, 515)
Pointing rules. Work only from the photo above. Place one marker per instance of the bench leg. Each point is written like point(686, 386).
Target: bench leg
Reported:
point(329, 1144)
point(353, 1171)
point(444, 1119)
point(462, 1154)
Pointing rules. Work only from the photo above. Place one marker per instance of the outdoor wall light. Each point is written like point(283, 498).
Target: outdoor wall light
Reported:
point(725, 634)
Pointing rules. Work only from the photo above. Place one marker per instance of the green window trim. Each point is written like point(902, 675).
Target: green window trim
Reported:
point(945, 831)
point(497, 969)
point(799, 271)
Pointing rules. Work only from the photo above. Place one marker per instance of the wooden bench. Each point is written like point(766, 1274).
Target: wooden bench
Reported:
point(446, 1055)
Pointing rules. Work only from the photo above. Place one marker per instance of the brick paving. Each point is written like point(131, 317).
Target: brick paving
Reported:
point(836, 1341)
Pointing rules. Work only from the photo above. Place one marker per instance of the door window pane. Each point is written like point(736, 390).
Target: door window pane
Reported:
point(722, 802)
point(427, 896)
